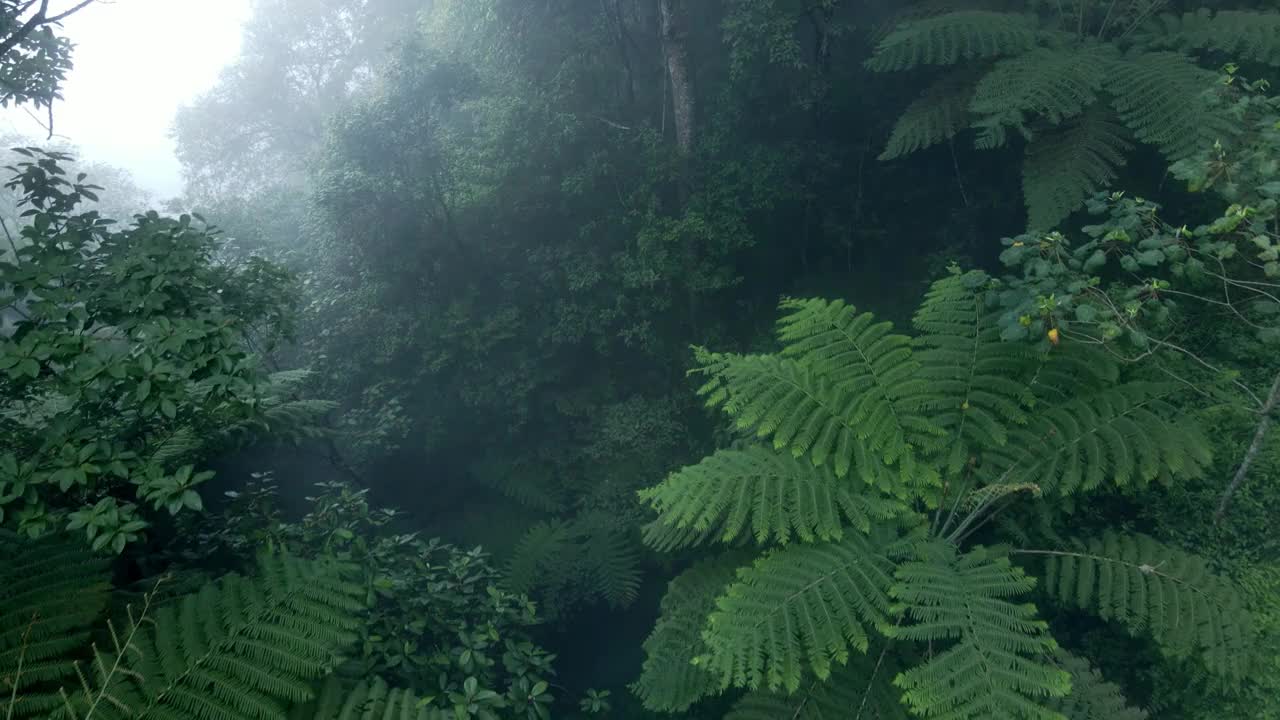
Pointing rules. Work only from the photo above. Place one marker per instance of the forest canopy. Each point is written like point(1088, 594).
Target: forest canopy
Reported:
point(741, 359)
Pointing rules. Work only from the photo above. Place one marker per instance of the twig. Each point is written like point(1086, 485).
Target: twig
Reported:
point(1259, 435)
point(17, 674)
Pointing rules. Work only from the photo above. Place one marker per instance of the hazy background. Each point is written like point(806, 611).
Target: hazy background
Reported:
point(157, 54)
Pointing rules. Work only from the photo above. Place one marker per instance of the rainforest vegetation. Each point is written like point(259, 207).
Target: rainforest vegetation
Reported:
point(741, 359)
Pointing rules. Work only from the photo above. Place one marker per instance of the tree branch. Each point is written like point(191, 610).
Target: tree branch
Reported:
point(1259, 436)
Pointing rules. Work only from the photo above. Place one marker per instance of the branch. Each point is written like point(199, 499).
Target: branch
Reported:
point(72, 11)
point(23, 32)
point(1259, 435)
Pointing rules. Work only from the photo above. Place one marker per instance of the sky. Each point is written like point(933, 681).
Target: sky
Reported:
point(136, 62)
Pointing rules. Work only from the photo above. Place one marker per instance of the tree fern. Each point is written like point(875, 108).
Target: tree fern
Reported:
point(937, 115)
point(1153, 588)
point(1159, 96)
point(1092, 697)
point(541, 545)
point(862, 690)
point(1241, 35)
point(1052, 84)
point(800, 607)
point(1120, 436)
point(950, 38)
point(969, 381)
point(989, 659)
point(764, 494)
point(52, 591)
point(240, 648)
point(1065, 167)
point(669, 680)
point(589, 553)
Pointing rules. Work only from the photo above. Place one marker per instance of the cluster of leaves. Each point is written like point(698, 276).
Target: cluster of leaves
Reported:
point(129, 357)
point(1078, 86)
point(35, 59)
point(440, 620)
point(883, 456)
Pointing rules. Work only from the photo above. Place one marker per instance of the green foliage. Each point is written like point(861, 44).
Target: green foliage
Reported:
point(822, 592)
point(856, 687)
point(35, 60)
point(1092, 697)
point(576, 560)
point(439, 620)
point(1157, 590)
point(994, 667)
point(240, 647)
point(1056, 67)
point(129, 362)
point(51, 593)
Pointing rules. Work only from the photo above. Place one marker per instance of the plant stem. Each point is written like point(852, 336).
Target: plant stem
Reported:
point(1259, 436)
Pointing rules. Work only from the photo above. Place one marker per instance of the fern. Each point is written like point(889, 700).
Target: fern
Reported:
point(1092, 697)
point(798, 607)
point(669, 680)
point(240, 648)
point(773, 496)
point(530, 485)
point(51, 593)
point(1064, 168)
point(861, 690)
point(1159, 96)
point(993, 666)
point(950, 38)
point(938, 114)
point(589, 553)
point(366, 700)
point(831, 394)
point(1241, 35)
point(1150, 587)
point(1118, 436)
point(610, 557)
point(968, 379)
point(531, 560)
point(1053, 84)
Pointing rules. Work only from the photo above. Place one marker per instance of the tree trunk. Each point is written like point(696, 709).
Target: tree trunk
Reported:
point(1259, 437)
point(675, 49)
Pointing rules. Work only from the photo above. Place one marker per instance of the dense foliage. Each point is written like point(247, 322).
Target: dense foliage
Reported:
point(456, 253)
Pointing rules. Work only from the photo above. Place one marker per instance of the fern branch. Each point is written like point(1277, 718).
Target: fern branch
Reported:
point(950, 38)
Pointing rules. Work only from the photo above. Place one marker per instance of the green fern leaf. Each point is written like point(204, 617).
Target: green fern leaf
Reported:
point(953, 37)
point(859, 691)
point(1092, 697)
point(764, 494)
point(1160, 97)
point(530, 484)
point(969, 381)
point(51, 593)
point(611, 557)
point(1155, 589)
point(669, 680)
point(1240, 34)
point(241, 648)
point(1122, 436)
point(801, 606)
point(367, 700)
point(540, 547)
point(1050, 84)
point(938, 114)
point(1064, 168)
point(993, 667)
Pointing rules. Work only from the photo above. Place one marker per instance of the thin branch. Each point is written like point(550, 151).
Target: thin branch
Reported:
point(1259, 436)
point(23, 32)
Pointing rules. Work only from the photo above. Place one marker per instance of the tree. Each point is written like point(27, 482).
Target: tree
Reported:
point(883, 457)
point(34, 60)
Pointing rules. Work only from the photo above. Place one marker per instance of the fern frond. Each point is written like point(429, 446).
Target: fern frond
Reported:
point(1092, 697)
point(862, 690)
point(531, 485)
point(767, 495)
point(948, 39)
point(1124, 436)
point(994, 665)
point(938, 114)
point(969, 381)
point(611, 557)
point(1155, 589)
point(859, 365)
point(366, 700)
point(540, 547)
point(1053, 84)
point(241, 648)
point(1065, 167)
point(797, 607)
point(669, 680)
point(1240, 34)
point(52, 591)
point(1065, 372)
point(1160, 97)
